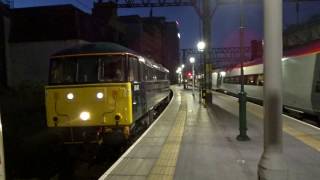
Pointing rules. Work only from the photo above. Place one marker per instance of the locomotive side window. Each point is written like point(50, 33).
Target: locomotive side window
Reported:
point(133, 69)
point(63, 71)
point(150, 73)
point(161, 75)
point(141, 71)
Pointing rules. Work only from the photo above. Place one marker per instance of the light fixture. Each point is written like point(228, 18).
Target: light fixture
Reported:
point(192, 60)
point(201, 46)
point(100, 95)
point(84, 116)
point(70, 96)
point(223, 73)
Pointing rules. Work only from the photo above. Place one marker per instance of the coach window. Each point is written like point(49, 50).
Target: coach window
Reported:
point(251, 80)
point(260, 80)
point(225, 80)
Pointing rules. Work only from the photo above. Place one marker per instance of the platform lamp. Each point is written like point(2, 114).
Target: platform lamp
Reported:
point(181, 74)
point(192, 61)
point(201, 46)
point(242, 94)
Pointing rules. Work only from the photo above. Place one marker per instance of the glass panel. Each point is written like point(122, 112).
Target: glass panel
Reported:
point(112, 68)
point(251, 80)
point(134, 71)
point(141, 70)
point(87, 70)
point(260, 80)
point(63, 71)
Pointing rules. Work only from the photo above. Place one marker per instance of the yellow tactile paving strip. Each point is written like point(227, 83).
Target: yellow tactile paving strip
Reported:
point(306, 138)
point(165, 166)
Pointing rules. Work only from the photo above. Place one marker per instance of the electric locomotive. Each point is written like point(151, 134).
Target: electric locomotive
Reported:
point(100, 88)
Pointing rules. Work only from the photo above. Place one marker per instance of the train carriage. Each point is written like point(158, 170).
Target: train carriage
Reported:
point(301, 81)
point(101, 87)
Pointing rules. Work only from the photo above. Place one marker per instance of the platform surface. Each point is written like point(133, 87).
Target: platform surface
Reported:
point(189, 141)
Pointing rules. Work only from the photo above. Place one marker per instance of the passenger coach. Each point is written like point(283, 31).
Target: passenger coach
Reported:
point(100, 88)
point(301, 81)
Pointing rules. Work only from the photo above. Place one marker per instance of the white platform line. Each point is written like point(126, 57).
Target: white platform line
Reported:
point(107, 173)
point(289, 117)
point(304, 123)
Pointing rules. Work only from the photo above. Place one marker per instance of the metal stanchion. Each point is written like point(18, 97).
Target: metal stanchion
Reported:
point(272, 165)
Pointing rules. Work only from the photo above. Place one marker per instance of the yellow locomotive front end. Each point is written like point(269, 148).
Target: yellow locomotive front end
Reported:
point(89, 94)
point(103, 106)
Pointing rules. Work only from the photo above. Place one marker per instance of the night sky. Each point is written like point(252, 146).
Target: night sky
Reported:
point(225, 22)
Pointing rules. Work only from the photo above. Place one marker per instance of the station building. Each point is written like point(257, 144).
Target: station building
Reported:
point(38, 32)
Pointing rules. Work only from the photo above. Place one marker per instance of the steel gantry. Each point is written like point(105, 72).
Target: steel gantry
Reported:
point(224, 57)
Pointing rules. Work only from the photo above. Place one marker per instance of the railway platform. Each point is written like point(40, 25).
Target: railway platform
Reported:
point(189, 141)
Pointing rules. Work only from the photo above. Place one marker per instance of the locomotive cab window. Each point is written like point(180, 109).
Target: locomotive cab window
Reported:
point(63, 71)
point(111, 69)
point(89, 69)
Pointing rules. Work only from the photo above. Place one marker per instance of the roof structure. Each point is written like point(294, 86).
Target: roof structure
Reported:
point(100, 48)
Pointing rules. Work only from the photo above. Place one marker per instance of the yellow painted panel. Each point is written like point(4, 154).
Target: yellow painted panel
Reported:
point(117, 99)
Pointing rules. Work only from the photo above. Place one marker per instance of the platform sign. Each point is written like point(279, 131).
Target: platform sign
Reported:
point(2, 165)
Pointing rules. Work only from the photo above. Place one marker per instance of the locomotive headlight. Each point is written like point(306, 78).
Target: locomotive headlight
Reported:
point(70, 96)
point(100, 95)
point(84, 116)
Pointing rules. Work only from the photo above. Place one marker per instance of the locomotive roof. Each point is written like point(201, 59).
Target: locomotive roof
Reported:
point(104, 48)
point(94, 48)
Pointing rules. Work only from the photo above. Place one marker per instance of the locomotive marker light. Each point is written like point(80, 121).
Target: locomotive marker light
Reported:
point(100, 95)
point(242, 94)
point(272, 164)
point(84, 116)
point(192, 61)
point(70, 96)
